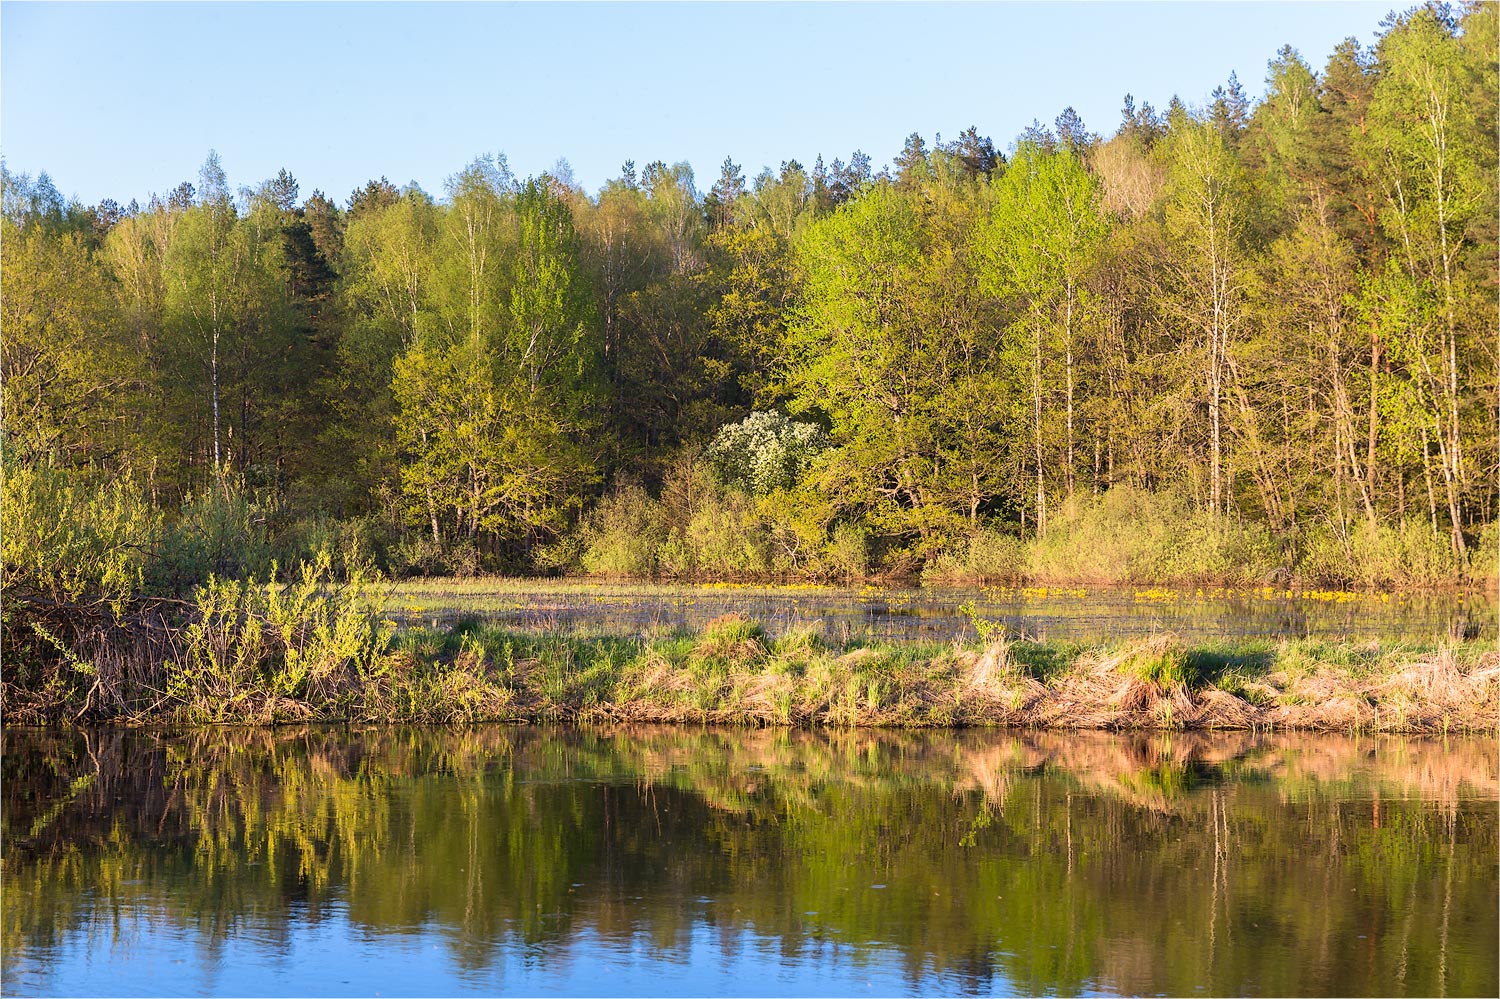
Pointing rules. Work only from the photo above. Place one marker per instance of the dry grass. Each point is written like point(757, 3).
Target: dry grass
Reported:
point(732, 674)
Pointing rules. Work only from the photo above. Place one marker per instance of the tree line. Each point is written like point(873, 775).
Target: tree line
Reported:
point(1278, 313)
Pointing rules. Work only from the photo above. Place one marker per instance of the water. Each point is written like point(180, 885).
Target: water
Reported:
point(935, 614)
point(386, 861)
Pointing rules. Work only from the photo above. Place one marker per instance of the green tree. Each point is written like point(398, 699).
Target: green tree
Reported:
point(1432, 153)
point(1036, 248)
point(71, 375)
point(888, 345)
point(1205, 219)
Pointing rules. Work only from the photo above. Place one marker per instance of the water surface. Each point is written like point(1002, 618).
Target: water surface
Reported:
point(527, 860)
point(935, 613)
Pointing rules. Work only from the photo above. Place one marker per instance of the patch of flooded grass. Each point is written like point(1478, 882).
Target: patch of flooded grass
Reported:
point(886, 614)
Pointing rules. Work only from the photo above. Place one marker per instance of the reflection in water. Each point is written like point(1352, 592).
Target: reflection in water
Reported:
point(326, 861)
point(932, 613)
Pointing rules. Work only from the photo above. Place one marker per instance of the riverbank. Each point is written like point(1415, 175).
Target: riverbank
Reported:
point(732, 673)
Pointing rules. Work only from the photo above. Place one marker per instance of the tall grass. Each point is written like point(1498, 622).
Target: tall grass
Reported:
point(305, 650)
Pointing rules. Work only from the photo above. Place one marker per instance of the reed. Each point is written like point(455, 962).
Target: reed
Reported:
point(305, 650)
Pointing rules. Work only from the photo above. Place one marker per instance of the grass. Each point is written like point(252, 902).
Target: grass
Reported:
point(891, 614)
point(733, 673)
point(730, 673)
point(308, 647)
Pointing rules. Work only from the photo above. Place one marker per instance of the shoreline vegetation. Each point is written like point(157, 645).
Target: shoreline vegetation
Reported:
point(317, 649)
point(110, 613)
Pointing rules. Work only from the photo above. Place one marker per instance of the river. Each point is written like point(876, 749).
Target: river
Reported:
point(528, 860)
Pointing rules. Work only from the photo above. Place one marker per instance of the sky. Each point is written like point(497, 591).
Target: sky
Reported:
point(122, 100)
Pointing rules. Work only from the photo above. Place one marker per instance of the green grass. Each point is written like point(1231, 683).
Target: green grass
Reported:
point(316, 650)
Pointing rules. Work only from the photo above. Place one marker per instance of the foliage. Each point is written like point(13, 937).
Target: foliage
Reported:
point(1379, 555)
point(73, 536)
point(763, 452)
point(221, 531)
point(985, 556)
point(1274, 317)
point(1133, 536)
point(310, 640)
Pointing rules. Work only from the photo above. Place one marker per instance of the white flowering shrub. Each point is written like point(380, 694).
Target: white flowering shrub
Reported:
point(764, 452)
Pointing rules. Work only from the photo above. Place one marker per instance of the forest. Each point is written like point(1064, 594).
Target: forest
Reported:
point(1242, 340)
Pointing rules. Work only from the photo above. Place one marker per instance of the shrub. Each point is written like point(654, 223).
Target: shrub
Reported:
point(74, 535)
point(419, 555)
point(75, 545)
point(764, 451)
point(724, 538)
point(796, 522)
point(1375, 555)
point(699, 528)
point(1129, 535)
point(310, 639)
point(359, 544)
point(624, 534)
point(1484, 557)
point(848, 552)
point(985, 556)
point(223, 531)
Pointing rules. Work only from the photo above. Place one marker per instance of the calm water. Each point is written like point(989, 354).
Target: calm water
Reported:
point(525, 860)
point(933, 613)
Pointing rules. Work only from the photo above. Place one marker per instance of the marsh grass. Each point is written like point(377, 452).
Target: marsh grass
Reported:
point(309, 649)
point(730, 673)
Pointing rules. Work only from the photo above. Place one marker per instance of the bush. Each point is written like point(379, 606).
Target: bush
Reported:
point(360, 544)
point(723, 539)
point(222, 531)
point(986, 556)
point(699, 528)
point(763, 452)
point(1129, 535)
point(1376, 555)
point(1484, 557)
point(624, 534)
point(848, 553)
point(311, 639)
point(419, 555)
point(74, 535)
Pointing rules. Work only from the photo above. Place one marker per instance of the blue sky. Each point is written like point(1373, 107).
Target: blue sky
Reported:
point(120, 100)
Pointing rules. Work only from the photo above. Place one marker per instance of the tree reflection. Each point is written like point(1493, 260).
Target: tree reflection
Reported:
point(1042, 862)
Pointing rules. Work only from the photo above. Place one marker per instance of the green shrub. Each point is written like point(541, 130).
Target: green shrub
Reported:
point(75, 545)
point(725, 538)
point(624, 534)
point(698, 529)
point(848, 551)
point(1484, 557)
point(224, 531)
point(359, 544)
point(311, 639)
point(985, 556)
point(1378, 555)
point(419, 555)
point(1129, 535)
point(74, 535)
